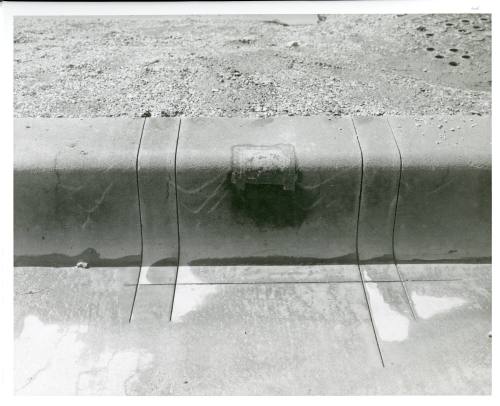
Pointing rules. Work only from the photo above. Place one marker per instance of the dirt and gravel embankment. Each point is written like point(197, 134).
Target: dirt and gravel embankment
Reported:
point(234, 66)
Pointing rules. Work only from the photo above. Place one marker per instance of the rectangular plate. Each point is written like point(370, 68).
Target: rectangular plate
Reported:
point(264, 165)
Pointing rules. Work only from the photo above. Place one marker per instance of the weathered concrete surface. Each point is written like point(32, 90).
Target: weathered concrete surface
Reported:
point(68, 296)
point(268, 274)
point(381, 169)
point(153, 304)
point(379, 272)
point(263, 223)
point(75, 192)
point(453, 325)
point(156, 176)
point(282, 191)
point(444, 207)
point(72, 336)
point(435, 272)
point(379, 191)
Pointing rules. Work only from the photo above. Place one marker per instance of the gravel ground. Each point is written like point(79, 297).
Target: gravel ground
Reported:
point(252, 66)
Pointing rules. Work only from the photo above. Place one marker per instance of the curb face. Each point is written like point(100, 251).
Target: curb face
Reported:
point(237, 206)
point(156, 179)
point(237, 192)
point(444, 208)
point(381, 169)
point(75, 192)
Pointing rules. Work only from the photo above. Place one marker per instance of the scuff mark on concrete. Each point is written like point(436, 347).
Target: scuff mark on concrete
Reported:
point(96, 206)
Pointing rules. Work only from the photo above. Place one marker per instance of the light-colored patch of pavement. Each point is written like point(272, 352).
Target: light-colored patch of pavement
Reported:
point(238, 66)
point(73, 336)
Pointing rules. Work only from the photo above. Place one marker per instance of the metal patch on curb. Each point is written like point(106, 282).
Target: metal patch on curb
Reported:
point(264, 165)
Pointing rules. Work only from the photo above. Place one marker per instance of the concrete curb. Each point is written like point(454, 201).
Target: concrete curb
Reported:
point(158, 207)
point(285, 191)
point(265, 223)
point(444, 207)
point(381, 169)
point(75, 192)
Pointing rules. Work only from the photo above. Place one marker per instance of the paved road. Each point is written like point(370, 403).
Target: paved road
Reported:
point(292, 333)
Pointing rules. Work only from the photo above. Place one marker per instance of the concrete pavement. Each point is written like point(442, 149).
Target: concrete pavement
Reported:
point(330, 257)
point(309, 333)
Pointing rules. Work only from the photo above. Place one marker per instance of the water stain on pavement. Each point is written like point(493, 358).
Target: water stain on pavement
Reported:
point(429, 306)
point(391, 325)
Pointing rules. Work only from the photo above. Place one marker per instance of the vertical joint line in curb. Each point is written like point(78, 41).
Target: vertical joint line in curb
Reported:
point(403, 284)
point(178, 226)
point(140, 218)
point(357, 251)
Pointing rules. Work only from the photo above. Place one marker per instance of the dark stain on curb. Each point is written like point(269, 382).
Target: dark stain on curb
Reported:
point(275, 260)
point(90, 256)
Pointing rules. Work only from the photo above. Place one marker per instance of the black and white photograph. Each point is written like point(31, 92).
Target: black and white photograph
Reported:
point(233, 198)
